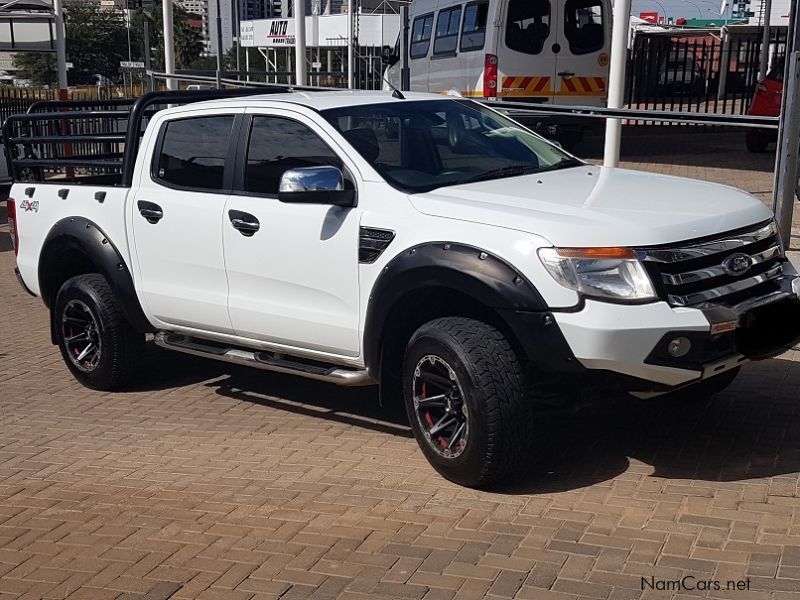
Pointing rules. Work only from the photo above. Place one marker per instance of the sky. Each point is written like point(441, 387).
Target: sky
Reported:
point(708, 9)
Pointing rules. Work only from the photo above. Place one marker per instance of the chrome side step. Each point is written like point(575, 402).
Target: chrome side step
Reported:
point(264, 360)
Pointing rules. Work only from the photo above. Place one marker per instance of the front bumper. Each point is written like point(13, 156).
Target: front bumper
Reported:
point(633, 340)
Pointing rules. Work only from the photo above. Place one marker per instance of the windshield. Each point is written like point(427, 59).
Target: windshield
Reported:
point(419, 146)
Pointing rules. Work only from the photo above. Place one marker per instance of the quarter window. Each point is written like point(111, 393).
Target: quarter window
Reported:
point(583, 26)
point(421, 36)
point(277, 145)
point(193, 152)
point(473, 32)
point(447, 31)
point(528, 25)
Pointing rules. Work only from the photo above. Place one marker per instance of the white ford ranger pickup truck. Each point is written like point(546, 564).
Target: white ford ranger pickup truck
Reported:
point(427, 244)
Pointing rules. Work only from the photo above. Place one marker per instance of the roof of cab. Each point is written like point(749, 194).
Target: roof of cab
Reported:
point(325, 100)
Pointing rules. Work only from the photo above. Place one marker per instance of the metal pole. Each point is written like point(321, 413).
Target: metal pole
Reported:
point(247, 62)
point(219, 46)
point(616, 79)
point(61, 51)
point(169, 44)
point(147, 52)
point(762, 68)
point(350, 41)
point(405, 71)
point(788, 155)
point(238, 34)
point(300, 42)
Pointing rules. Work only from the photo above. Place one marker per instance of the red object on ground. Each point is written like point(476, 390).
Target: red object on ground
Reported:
point(767, 99)
point(766, 103)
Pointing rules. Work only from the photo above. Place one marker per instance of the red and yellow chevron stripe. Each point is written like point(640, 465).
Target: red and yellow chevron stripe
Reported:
point(582, 86)
point(525, 86)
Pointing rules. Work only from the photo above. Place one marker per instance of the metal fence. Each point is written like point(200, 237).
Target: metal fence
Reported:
point(698, 71)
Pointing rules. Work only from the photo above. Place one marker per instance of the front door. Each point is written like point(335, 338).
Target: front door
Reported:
point(292, 268)
point(582, 63)
point(176, 220)
point(419, 48)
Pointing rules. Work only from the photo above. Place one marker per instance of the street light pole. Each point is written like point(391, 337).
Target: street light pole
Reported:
point(764, 63)
point(788, 155)
point(616, 79)
point(350, 42)
point(169, 44)
point(300, 42)
point(219, 46)
point(61, 50)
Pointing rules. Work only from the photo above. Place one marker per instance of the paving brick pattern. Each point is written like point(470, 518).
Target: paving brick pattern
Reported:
point(212, 482)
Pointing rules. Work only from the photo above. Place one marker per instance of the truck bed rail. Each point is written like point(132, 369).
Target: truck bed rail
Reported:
point(81, 140)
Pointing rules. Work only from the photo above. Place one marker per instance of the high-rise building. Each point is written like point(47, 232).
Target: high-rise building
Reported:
point(199, 8)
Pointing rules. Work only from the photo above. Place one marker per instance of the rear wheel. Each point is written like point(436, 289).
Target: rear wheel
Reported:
point(464, 392)
point(97, 343)
point(756, 141)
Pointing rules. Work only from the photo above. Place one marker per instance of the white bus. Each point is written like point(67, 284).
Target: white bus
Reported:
point(519, 50)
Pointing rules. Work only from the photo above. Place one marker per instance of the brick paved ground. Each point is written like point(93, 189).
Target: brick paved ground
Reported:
point(223, 483)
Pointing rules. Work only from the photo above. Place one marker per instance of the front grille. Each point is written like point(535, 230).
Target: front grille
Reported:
point(725, 270)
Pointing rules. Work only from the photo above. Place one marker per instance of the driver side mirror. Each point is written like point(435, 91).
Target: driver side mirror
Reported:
point(388, 57)
point(315, 185)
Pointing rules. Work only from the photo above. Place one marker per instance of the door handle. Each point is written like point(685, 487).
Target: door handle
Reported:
point(566, 74)
point(150, 211)
point(245, 223)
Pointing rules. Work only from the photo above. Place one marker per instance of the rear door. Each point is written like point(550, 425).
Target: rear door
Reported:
point(474, 45)
point(177, 216)
point(582, 63)
point(527, 50)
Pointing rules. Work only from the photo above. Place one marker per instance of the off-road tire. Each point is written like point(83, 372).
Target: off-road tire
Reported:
point(702, 392)
point(487, 370)
point(121, 347)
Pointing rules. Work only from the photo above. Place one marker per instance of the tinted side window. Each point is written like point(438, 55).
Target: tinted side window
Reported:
point(277, 145)
point(193, 152)
point(421, 36)
point(583, 26)
point(447, 31)
point(473, 32)
point(528, 25)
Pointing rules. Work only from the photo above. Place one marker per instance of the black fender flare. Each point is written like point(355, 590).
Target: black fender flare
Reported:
point(469, 270)
point(83, 235)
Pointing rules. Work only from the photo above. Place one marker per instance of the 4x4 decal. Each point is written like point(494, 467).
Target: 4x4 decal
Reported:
point(29, 206)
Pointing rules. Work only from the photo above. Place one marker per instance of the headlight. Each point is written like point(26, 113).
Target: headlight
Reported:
point(612, 273)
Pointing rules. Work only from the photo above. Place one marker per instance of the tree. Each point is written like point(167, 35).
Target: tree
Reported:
point(188, 38)
point(38, 67)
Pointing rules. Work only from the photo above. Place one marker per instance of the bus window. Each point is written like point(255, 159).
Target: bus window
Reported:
point(421, 36)
point(447, 31)
point(528, 25)
point(583, 26)
point(473, 32)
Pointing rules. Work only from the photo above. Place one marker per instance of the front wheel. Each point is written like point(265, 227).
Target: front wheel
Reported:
point(464, 392)
point(97, 343)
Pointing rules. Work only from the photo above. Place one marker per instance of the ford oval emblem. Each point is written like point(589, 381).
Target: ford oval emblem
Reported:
point(737, 265)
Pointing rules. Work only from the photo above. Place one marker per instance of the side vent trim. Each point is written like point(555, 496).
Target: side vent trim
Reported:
point(372, 242)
